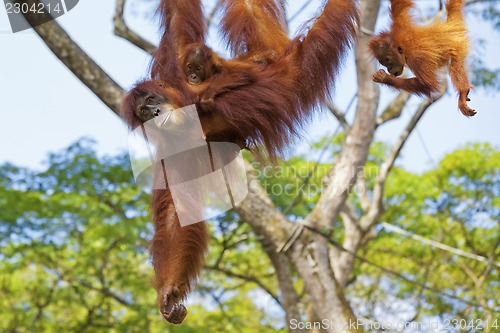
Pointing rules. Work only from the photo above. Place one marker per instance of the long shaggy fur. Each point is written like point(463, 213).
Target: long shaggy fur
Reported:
point(318, 54)
point(178, 252)
point(425, 49)
point(270, 110)
point(253, 26)
point(288, 79)
point(182, 23)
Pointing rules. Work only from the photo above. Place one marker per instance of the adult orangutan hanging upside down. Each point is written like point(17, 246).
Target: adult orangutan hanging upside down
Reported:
point(258, 97)
point(424, 49)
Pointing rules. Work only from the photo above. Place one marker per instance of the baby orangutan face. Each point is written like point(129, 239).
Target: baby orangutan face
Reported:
point(200, 63)
point(388, 54)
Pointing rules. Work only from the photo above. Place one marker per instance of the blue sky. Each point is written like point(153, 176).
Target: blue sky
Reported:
point(45, 107)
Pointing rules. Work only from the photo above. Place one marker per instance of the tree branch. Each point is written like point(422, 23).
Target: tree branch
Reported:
point(272, 227)
point(290, 300)
point(376, 207)
point(358, 140)
point(393, 273)
point(260, 213)
point(122, 30)
point(77, 61)
point(363, 191)
point(338, 114)
point(247, 278)
point(394, 109)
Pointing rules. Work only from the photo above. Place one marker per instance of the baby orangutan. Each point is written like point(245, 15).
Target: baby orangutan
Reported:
point(259, 97)
point(424, 49)
point(209, 75)
point(200, 63)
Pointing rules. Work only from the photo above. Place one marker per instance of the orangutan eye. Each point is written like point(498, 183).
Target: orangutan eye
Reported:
point(400, 50)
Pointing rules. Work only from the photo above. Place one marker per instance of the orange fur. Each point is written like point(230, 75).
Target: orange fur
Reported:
point(259, 97)
point(254, 26)
point(178, 255)
point(424, 49)
point(219, 76)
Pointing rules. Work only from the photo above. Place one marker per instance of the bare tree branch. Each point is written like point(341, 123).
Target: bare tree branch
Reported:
point(355, 150)
point(290, 300)
point(394, 109)
point(363, 191)
point(247, 278)
point(266, 221)
point(344, 264)
point(260, 213)
point(272, 227)
point(77, 61)
point(122, 30)
point(338, 114)
point(393, 273)
point(378, 191)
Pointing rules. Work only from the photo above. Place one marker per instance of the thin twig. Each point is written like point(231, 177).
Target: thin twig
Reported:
point(338, 114)
point(386, 270)
point(394, 109)
point(246, 278)
point(376, 207)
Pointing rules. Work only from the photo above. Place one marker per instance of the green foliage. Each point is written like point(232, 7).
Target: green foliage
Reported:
point(296, 184)
point(74, 257)
point(491, 12)
point(486, 78)
point(455, 204)
point(74, 237)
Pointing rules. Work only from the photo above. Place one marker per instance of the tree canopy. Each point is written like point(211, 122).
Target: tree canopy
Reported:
point(75, 238)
